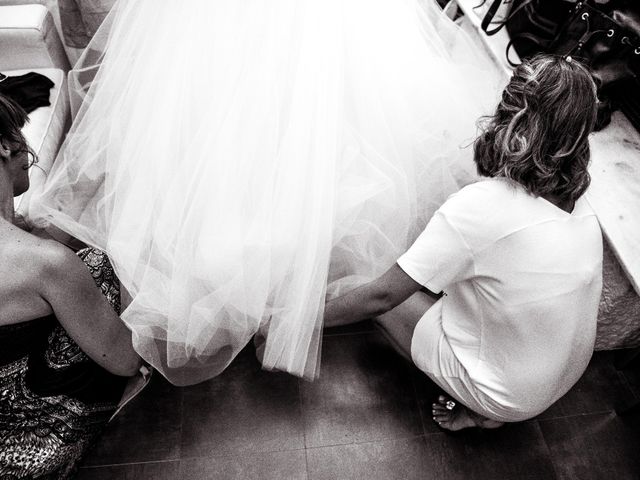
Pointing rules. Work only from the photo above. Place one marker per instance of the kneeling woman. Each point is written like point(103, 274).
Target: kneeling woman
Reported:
point(518, 256)
point(64, 353)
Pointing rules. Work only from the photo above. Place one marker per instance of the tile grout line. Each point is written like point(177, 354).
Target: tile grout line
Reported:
point(234, 455)
point(575, 415)
point(126, 464)
point(549, 456)
point(181, 430)
point(306, 462)
point(379, 440)
point(194, 457)
point(304, 428)
point(630, 387)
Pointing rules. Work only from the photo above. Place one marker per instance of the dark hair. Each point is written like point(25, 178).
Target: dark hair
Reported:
point(12, 119)
point(539, 133)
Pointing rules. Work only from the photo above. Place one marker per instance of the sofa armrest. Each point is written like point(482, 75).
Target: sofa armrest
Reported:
point(29, 39)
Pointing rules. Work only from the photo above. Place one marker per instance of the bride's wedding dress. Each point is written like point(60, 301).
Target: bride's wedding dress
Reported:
point(239, 160)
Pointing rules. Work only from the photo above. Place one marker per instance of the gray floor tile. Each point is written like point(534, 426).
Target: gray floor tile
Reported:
point(245, 409)
point(147, 430)
point(601, 389)
point(362, 419)
point(405, 459)
point(364, 393)
point(631, 374)
point(513, 452)
point(593, 447)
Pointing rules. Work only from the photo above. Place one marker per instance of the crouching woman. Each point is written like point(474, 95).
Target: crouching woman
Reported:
point(65, 356)
point(517, 255)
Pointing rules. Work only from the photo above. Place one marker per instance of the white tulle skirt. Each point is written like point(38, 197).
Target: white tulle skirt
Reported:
point(241, 160)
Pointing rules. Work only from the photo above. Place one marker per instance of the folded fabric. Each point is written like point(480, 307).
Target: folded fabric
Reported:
point(30, 90)
point(81, 18)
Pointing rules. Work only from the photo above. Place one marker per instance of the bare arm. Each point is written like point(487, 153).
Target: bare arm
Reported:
point(372, 299)
point(84, 312)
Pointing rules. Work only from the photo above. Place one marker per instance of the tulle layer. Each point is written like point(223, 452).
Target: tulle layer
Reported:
point(239, 161)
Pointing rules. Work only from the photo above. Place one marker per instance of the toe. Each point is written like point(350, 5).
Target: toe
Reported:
point(441, 414)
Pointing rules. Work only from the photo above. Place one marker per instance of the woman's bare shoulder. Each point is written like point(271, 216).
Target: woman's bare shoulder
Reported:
point(31, 258)
point(27, 265)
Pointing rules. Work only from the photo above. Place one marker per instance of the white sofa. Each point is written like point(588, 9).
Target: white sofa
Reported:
point(78, 18)
point(29, 42)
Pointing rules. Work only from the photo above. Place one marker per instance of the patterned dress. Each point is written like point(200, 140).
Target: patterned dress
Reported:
point(54, 400)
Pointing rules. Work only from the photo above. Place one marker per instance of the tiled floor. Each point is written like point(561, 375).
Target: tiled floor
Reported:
point(366, 417)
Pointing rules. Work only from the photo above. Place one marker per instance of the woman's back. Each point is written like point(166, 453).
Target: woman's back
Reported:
point(23, 263)
point(521, 310)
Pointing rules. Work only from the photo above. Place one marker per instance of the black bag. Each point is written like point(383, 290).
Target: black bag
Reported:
point(620, 76)
point(607, 44)
point(604, 37)
point(608, 41)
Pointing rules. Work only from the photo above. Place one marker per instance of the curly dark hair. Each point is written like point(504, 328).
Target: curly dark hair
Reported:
point(12, 119)
point(539, 133)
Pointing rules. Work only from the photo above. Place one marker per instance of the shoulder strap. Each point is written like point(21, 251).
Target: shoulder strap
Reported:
point(488, 17)
point(493, 9)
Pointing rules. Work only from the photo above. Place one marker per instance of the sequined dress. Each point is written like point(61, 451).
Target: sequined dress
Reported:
point(54, 400)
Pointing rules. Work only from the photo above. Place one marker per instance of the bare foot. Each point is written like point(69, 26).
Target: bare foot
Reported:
point(450, 415)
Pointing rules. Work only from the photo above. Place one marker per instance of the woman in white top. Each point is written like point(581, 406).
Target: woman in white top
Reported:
point(518, 257)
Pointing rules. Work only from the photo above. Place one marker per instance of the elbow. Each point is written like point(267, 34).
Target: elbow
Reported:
point(124, 360)
point(127, 367)
point(133, 366)
point(381, 303)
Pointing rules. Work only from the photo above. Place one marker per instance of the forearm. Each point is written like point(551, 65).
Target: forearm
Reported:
point(359, 304)
point(372, 299)
point(87, 315)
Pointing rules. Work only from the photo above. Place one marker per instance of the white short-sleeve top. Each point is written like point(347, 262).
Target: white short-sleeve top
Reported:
point(522, 280)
